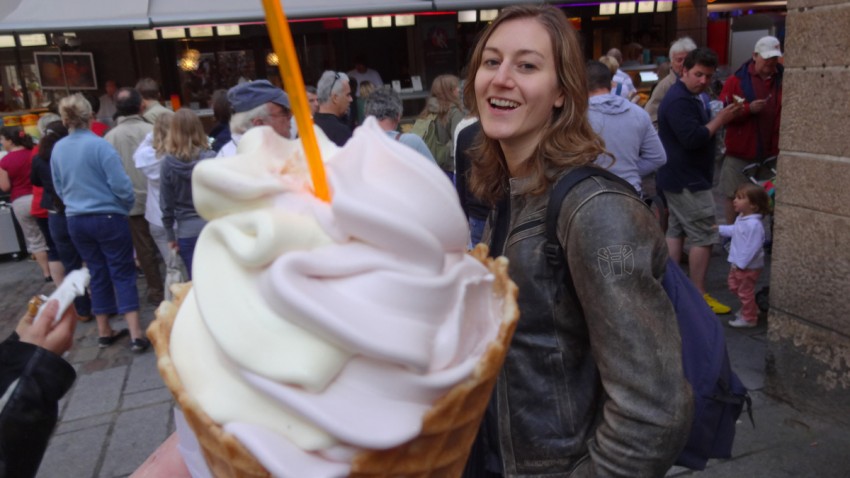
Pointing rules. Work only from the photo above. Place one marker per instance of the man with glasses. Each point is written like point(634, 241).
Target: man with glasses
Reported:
point(334, 94)
point(256, 103)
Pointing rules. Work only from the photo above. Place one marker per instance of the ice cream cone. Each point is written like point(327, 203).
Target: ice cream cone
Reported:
point(448, 430)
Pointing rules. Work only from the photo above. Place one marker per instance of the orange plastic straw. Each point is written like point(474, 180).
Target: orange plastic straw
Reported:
point(293, 82)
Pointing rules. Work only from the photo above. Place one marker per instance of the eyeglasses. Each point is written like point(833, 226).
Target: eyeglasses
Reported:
point(336, 77)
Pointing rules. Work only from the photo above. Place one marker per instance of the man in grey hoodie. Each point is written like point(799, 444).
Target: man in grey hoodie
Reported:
point(626, 128)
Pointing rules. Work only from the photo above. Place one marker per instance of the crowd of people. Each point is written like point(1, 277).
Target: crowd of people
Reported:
point(593, 384)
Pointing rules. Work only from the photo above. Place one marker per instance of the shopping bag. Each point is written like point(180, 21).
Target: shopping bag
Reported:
point(175, 272)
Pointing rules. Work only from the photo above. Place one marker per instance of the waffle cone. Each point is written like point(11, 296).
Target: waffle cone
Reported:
point(448, 429)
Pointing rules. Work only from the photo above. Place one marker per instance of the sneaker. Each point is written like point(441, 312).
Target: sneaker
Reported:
point(139, 345)
point(716, 307)
point(740, 323)
point(104, 342)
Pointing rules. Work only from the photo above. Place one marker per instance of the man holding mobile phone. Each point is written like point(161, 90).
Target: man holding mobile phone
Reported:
point(754, 134)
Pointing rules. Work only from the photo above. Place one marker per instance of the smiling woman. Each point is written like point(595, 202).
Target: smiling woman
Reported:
point(593, 382)
point(531, 96)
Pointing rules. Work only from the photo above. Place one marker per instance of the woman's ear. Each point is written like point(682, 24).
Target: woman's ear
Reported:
point(559, 101)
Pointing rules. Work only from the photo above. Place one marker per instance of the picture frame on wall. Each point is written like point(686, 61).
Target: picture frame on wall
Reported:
point(74, 71)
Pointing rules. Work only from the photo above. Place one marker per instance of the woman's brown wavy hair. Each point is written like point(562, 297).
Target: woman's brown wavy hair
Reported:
point(568, 140)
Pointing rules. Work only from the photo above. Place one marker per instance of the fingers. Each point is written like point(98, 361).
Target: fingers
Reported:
point(66, 326)
point(45, 321)
point(36, 333)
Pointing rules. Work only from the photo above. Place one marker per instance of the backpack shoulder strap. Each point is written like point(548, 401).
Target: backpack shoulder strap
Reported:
point(553, 250)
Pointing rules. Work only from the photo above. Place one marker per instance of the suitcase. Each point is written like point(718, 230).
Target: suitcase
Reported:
point(10, 242)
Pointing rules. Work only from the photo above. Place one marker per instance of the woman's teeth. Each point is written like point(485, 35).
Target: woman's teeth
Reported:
point(503, 104)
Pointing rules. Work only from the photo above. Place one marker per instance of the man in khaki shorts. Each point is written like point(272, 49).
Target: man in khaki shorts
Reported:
point(753, 135)
point(687, 132)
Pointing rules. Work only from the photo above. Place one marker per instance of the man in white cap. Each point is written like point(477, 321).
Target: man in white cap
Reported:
point(754, 134)
point(256, 103)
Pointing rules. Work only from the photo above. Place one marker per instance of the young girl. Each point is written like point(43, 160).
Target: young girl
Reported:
point(747, 253)
point(185, 146)
point(593, 382)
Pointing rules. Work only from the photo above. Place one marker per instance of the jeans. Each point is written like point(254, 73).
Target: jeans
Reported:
point(105, 244)
point(68, 255)
point(186, 249)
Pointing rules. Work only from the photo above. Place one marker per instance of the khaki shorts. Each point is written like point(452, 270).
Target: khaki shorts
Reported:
point(692, 214)
point(732, 175)
point(32, 234)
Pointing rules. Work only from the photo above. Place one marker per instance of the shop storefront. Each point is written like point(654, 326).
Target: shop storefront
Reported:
point(192, 54)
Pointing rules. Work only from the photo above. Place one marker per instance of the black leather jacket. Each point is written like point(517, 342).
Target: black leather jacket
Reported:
point(32, 380)
point(593, 383)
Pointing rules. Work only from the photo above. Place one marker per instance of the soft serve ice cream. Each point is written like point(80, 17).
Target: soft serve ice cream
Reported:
point(314, 331)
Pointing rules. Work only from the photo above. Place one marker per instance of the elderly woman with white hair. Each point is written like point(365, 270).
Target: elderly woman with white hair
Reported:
point(89, 178)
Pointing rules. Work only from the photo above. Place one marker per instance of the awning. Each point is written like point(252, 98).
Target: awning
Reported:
point(48, 15)
point(51, 15)
point(189, 12)
point(57, 15)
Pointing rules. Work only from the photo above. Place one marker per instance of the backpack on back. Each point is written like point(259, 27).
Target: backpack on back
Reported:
point(719, 395)
point(426, 128)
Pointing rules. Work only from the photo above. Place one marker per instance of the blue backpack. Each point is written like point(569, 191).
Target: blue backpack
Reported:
point(719, 395)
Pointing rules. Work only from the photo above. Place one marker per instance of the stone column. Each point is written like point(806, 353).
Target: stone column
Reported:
point(808, 348)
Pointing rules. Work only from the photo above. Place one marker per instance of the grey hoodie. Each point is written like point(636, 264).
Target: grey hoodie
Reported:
point(629, 136)
point(176, 196)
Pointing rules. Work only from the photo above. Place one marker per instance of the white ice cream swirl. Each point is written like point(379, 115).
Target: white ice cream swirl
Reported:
point(314, 330)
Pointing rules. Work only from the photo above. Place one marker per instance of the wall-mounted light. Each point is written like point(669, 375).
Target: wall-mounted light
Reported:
point(33, 39)
point(357, 22)
point(405, 20)
point(7, 41)
point(608, 8)
point(144, 35)
point(646, 6)
point(627, 7)
point(382, 21)
point(664, 6)
point(198, 32)
point(467, 16)
point(227, 30)
point(488, 15)
point(173, 32)
point(272, 59)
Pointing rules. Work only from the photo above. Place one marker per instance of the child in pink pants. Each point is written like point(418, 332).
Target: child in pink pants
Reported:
point(747, 253)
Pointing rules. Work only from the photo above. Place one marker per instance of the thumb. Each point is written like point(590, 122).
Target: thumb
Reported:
point(48, 314)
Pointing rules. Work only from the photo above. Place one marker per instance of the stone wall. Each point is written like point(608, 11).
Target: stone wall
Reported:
point(808, 357)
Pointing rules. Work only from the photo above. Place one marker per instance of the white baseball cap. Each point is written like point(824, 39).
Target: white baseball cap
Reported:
point(768, 47)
